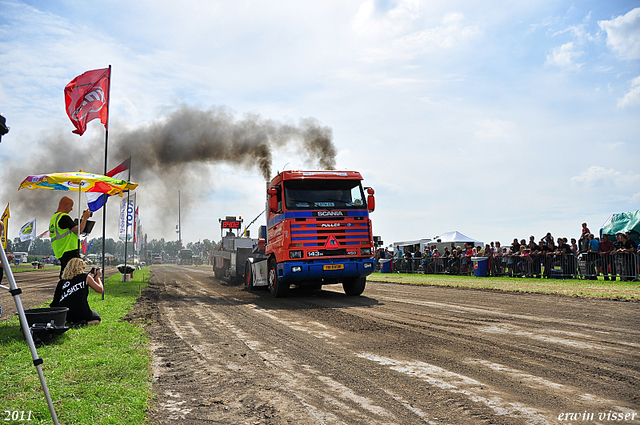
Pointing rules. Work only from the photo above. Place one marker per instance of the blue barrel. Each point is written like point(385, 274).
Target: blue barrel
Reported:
point(385, 266)
point(480, 266)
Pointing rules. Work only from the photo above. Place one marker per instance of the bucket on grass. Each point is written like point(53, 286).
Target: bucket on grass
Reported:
point(55, 315)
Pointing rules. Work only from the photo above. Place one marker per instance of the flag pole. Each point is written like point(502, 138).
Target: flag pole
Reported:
point(79, 215)
point(104, 196)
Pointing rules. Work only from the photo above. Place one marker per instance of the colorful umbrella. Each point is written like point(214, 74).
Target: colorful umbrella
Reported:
point(78, 182)
point(83, 182)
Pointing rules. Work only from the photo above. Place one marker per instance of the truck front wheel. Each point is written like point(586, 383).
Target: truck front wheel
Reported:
point(354, 286)
point(277, 288)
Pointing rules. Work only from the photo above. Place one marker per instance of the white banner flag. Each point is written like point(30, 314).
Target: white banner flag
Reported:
point(137, 231)
point(28, 231)
point(126, 218)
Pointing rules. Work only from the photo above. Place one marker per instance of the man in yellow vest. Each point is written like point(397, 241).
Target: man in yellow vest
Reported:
point(64, 232)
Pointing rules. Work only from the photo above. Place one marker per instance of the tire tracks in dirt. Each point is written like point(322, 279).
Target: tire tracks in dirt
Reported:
point(397, 354)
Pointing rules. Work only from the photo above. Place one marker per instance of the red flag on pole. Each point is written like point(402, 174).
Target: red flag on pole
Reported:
point(87, 97)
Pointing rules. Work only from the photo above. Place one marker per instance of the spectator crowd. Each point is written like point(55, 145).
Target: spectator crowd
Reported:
point(587, 258)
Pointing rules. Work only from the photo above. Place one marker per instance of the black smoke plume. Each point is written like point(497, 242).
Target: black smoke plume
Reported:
point(189, 136)
point(173, 153)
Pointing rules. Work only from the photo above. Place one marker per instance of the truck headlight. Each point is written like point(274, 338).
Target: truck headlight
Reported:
point(295, 254)
point(365, 251)
point(367, 265)
point(296, 269)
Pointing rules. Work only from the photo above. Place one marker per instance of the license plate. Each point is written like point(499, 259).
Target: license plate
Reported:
point(333, 267)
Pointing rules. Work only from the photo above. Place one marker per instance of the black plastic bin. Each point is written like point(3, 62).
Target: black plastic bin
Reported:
point(57, 315)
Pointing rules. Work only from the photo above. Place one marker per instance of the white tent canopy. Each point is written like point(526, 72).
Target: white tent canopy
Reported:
point(439, 241)
point(456, 237)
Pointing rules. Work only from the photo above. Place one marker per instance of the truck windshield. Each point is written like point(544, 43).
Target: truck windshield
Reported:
point(323, 194)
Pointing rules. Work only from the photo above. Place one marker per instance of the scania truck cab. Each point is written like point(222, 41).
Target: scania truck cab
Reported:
point(319, 231)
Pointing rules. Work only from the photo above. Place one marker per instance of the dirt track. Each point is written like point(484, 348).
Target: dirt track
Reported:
point(396, 355)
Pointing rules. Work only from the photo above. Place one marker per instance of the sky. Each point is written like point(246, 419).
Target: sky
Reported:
point(498, 120)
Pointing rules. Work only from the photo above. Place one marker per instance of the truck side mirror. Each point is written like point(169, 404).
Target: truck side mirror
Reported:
point(371, 201)
point(273, 199)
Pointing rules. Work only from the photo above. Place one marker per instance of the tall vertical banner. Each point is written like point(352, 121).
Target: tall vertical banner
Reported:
point(127, 212)
point(136, 231)
point(5, 221)
point(140, 238)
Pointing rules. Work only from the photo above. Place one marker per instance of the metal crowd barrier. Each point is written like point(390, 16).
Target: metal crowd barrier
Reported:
point(623, 266)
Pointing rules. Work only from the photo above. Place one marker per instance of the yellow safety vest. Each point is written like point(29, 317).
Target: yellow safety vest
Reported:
point(61, 242)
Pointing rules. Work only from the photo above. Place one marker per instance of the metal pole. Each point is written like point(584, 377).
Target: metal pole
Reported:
point(104, 224)
point(15, 291)
point(104, 197)
point(79, 216)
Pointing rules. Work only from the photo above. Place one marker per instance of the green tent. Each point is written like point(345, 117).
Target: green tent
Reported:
point(624, 222)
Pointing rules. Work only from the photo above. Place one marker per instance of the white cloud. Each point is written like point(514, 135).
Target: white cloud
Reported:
point(371, 23)
point(614, 145)
point(400, 32)
point(632, 97)
point(596, 176)
point(565, 56)
point(579, 32)
point(623, 34)
point(547, 22)
point(450, 33)
point(496, 131)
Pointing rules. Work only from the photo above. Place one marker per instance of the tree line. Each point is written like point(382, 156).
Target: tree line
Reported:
point(42, 247)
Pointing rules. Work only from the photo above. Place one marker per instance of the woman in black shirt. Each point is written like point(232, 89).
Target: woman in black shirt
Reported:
point(72, 292)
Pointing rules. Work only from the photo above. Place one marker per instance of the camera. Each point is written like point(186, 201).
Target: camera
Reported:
point(94, 270)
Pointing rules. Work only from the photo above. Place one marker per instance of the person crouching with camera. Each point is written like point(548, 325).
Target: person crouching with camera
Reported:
point(72, 292)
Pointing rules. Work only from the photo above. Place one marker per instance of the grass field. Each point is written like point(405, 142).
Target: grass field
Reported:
point(96, 374)
point(571, 287)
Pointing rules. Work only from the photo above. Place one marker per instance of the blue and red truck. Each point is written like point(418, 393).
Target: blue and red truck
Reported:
point(318, 232)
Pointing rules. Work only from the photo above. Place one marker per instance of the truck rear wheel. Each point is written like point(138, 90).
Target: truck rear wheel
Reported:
point(248, 278)
point(354, 286)
point(277, 288)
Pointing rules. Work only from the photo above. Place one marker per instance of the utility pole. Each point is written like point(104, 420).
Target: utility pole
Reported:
point(179, 227)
